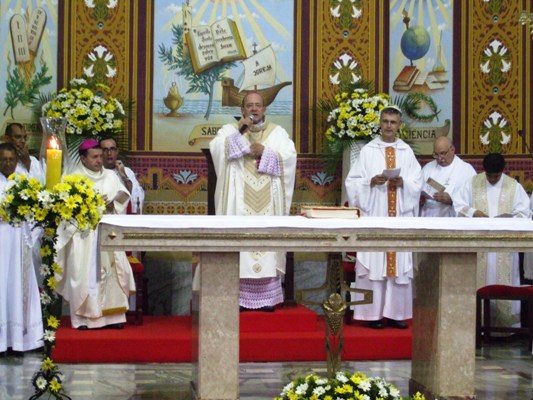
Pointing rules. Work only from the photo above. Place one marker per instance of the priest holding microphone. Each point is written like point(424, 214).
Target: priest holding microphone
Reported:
point(255, 163)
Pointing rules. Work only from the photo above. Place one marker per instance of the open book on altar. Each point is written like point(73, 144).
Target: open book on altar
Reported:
point(214, 44)
point(330, 212)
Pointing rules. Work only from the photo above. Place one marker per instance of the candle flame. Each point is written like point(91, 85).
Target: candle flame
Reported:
point(53, 143)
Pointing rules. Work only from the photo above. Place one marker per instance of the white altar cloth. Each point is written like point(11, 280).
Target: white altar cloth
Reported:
point(239, 222)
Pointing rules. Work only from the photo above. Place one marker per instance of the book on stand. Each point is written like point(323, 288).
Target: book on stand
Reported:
point(214, 44)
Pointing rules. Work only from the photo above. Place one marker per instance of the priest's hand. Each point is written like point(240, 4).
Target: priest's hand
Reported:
point(443, 197)
point(109, 204)
point(23, 155)
point(480, 214)
point(396, 182)
point(378, 180)
point(244, 124)
point(257, 149)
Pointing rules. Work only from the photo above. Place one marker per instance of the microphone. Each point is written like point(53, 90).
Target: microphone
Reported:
point(244, 127)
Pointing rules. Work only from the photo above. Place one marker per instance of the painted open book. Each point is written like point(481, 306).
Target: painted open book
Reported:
point(214, 44)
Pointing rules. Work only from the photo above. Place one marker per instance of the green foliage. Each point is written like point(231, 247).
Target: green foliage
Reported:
point(413, 103)
point(19, 91)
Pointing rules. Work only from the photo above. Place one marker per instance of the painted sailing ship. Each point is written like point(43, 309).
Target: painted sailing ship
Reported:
point(259, 76)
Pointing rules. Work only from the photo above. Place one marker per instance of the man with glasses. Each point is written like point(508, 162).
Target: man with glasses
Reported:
point(126, 175)
point(442, 178)
point(27, 164)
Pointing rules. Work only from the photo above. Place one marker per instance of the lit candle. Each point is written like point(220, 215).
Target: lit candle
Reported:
point(53, 164)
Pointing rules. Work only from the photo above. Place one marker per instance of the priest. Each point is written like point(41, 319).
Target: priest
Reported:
point(255, 163)
point(97, 298)
point(385, 181)
point(21, 321)
point(27, 164)
point(493, 194)
point(443, 178)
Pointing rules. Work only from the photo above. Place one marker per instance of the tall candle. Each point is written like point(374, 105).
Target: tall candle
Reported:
point(53, 167)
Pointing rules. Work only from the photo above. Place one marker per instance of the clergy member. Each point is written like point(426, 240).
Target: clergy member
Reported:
point(96, 299)
point(385, 181)
point(27, 164)
point(493, 194)
point(125, 174)
point(21, 321)
point(443, 178)
point(255, 163)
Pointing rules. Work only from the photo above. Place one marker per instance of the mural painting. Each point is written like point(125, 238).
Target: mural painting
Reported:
point(207, 56)
point(28, 46)
point(421, 80)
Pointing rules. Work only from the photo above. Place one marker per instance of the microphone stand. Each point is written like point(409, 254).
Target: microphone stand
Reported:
point(524, 141)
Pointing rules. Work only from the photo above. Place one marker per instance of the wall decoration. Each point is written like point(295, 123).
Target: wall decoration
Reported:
point(28, 32)
point(207, 54)
point(421, 73)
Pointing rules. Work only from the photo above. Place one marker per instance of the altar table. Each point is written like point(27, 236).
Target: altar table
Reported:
point(443, 356)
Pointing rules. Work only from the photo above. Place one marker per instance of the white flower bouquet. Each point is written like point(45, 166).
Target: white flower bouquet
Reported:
point(356, 386)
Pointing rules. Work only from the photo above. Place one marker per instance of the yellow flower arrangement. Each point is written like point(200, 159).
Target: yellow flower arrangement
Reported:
point(88, 112)
point(356, 115)
point(352, 115)
point(72, 201)
point(21, 200)
point(343, 386)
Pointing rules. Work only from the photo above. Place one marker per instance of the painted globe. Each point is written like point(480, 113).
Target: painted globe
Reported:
point(415, 42)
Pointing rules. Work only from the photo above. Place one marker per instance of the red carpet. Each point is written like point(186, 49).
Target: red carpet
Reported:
point(289, 334)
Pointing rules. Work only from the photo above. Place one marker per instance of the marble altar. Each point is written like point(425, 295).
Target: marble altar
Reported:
point(443, 360)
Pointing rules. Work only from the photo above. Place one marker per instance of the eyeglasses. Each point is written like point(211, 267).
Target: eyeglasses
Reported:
point(109, 149)
point(442, 154)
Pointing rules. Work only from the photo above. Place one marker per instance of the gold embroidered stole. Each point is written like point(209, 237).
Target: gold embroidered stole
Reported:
point(505, 200)
point(390, 159)
point(257, 186)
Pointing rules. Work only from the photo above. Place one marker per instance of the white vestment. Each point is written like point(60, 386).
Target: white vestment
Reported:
point(137, 192)
point(36, 170)
point(21, 320)
point(506, 197)
point(453, 177)
point(242, 190)
point(96, 298)
point(371, 267)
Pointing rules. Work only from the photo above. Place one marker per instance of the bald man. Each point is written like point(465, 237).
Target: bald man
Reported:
point(443, 178)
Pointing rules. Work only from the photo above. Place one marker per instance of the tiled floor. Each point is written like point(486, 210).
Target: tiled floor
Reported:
point(503, 371)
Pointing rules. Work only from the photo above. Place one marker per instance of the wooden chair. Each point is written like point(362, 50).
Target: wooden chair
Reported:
point(502, 292)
